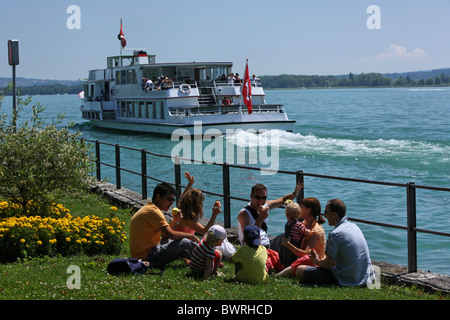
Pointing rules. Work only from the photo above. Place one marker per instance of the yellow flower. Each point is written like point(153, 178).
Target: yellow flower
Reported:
point(68, 239)
point(113, 208)
point(39, 242)
point(22, 240)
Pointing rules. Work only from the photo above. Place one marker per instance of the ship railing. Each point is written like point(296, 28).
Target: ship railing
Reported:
point(170, 85)
point(217, 109)
point(225, 83)
point(300, 177)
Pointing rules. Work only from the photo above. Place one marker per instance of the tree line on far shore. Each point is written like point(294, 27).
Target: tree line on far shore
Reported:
point(48, 89)
point(350, 80)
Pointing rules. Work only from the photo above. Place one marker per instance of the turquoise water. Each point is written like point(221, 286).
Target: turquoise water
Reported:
point(392, 135)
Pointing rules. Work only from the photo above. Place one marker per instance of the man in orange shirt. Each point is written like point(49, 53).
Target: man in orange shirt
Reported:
point(148, 225)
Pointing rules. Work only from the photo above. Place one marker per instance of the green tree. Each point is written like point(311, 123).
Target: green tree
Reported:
point(40, 161)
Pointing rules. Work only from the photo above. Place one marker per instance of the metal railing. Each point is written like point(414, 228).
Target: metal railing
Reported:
point(410, 189)
point(237, 109)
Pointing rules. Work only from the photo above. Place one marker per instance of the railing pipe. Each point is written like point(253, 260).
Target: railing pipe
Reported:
point(411, 226)
point(299, 178)
point(177, 179)
point(226, 195)
point(144, 174)
point(97, 160)
point(118, 175)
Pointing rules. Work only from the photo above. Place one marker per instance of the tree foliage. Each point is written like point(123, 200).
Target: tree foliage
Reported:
point(39, 161)
point(351, 80)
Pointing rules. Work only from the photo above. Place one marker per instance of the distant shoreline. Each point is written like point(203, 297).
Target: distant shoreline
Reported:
point(432, 78)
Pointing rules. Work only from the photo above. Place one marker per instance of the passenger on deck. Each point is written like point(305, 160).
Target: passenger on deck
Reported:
point(257, 211)
point(158, 83)
point(149, 85)
point(237, 79)
point(231, 79)
point(253, 80)
point(226, 101)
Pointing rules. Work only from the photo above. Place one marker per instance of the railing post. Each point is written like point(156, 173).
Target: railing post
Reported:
point(299, 177)
point(118, 179)
point(97, 160)
point(144, 173)
point(226, 195)
point(177, 178)
point(411, 225)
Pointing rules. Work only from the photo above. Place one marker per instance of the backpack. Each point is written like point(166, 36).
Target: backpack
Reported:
point(125, 266)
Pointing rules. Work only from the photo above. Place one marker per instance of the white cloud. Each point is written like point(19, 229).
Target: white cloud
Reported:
point(398, 52)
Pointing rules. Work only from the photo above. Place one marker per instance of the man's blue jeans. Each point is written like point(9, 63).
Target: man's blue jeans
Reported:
point(160, 255)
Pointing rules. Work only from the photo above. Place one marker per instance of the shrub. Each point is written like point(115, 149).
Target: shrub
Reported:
point(40, 161)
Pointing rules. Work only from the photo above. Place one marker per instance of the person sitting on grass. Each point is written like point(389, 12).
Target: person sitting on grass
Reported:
point(147, 226)
point(205, 260)
point(250, 259)
point(347, 261)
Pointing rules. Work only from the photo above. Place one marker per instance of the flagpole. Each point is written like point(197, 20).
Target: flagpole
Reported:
point(242, 85)
point(120, 43)
point(247, 90)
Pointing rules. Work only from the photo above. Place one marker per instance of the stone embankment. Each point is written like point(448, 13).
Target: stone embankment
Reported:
point(390, 273)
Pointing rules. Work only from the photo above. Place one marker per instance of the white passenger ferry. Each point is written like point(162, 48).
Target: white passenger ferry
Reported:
point(178, 95)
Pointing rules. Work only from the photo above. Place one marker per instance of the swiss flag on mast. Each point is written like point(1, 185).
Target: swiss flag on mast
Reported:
point(247, 90)
point(122, 39)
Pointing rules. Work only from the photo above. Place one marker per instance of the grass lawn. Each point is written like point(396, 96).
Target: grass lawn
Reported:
point(46, 278)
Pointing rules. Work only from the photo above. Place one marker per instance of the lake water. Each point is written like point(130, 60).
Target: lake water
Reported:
point(391, 135)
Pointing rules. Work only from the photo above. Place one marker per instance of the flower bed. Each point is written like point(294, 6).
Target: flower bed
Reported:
point(36, 236)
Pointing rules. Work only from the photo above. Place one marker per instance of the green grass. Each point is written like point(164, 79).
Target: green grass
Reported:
point(46, 278)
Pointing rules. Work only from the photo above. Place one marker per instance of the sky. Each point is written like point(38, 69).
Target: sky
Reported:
point(320, 37)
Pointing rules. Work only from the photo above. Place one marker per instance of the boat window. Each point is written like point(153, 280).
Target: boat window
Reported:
point(129, 109)
point(148, 110)
point(127, 61)
point(154, 111)
point(122, 109)
point(151, 74)
point(161, 105)
point(117, 77)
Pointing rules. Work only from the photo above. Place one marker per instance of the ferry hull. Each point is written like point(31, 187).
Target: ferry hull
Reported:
point(196, 129)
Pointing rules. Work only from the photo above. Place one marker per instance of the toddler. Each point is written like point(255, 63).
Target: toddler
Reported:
point(205, 260)
point(293, 229)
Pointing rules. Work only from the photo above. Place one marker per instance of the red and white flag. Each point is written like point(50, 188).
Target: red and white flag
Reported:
point(122, 39)
point(247, 90)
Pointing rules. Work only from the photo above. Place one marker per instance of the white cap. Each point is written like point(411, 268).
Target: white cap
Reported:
point(218, 231)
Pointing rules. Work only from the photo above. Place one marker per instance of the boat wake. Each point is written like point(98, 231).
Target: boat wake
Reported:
point(297, 143)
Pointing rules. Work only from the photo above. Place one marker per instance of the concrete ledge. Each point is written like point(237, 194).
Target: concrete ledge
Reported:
point(427, 281)
point(390, 273)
